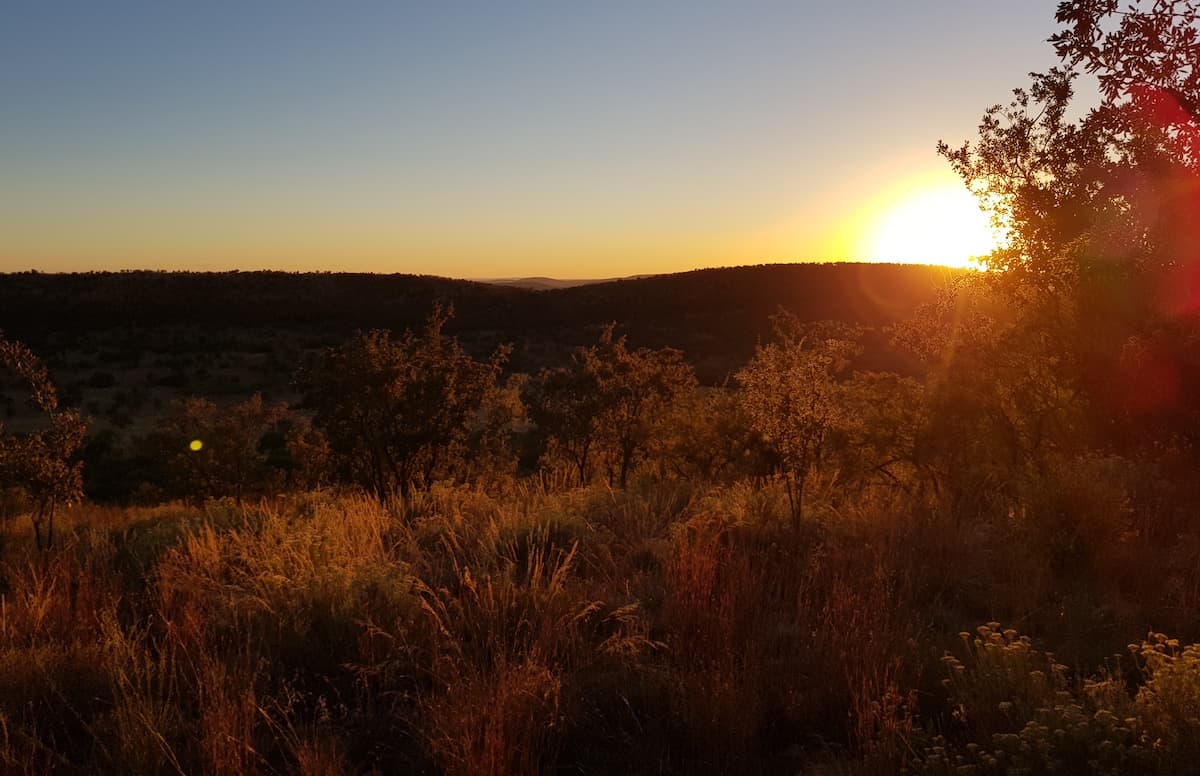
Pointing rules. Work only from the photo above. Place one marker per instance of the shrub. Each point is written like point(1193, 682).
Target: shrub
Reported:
point(401, 413)
point(1016, 710)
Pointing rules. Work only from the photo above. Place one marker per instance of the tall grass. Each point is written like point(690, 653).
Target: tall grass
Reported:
point(668, 627)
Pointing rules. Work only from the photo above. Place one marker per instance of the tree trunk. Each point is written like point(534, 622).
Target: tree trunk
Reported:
point(798, 503)
point(626, 464)
point(43, 514)
point(581, 465)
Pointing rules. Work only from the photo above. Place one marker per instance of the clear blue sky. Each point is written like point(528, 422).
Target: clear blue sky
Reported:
point(482, 139)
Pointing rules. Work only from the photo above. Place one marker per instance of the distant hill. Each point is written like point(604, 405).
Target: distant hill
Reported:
point(543, 284)
point(550, 284)
point(716, 316)
point(35, 304)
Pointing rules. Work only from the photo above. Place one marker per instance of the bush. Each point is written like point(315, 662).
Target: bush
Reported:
point(1014, 709)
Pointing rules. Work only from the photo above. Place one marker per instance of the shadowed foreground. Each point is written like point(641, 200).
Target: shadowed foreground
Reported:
point(668, 628)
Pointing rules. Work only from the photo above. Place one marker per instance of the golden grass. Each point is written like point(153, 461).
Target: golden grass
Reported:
point(664, 628)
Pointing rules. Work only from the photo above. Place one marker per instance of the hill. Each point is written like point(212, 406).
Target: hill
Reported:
point(716, 316)
point(726, 308)
point(544, 283)
point(123, 344)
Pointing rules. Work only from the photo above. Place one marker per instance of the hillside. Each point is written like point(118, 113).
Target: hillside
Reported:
point(715, 315)
point(124, 345)
point(544, 283)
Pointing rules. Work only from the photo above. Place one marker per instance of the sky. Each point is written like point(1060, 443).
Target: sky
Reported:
point(486, 140)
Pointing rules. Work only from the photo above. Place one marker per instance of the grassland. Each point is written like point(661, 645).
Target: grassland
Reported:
point(540, 628)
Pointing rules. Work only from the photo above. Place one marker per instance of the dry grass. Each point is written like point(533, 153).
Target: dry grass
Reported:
point(665, 628)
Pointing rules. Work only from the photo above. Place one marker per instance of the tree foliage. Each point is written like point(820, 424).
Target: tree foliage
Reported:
point(884, 415)
point(211, 451)
point(1086, 187)
point(400, 413)
point(1156, 47)
point(1081, 334)
point(707, 436)
point(607, 403)
point(564, 404)
point(791, 390)
point(43, 462)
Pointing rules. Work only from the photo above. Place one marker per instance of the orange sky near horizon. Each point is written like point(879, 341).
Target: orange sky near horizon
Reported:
point(591, 142)
point(855, 223)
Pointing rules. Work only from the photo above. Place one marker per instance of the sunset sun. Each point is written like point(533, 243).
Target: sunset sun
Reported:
point(939, 225)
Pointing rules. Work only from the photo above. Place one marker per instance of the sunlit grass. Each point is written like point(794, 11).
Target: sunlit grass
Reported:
point(671, 627)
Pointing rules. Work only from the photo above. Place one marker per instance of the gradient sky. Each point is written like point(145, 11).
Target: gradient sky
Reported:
point(483, 139)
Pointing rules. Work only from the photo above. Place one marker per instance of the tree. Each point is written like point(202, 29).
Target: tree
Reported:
point(707, 437)
point(1110, 186)
point(607, 403)
point(308, 455)
point(564, 404)
point(877, 441)
point(791, 390)
point(1002, 392)
point(1100, 270)
point(212, 451)
point(635, 387)
point(43, 462)
point(399, 413)
point(1154, 48)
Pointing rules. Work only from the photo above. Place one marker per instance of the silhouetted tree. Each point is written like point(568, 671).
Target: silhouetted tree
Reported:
point(1151, 47)
point(1110, 195)
point(398, 413)
point(308, 454)
point(564, 403)
point(1101, 259)
point(1085, 336)
point(211, 451)
point(1002, 389)
point(883, 416)
point(606, 403)
point(43, 462)
point(636, 387)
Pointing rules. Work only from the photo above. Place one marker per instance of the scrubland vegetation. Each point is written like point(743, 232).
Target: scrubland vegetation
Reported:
point(678, 625)
point(605, 568)
point(435, 562)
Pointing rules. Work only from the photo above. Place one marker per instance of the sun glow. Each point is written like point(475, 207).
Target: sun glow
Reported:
point(934, 225)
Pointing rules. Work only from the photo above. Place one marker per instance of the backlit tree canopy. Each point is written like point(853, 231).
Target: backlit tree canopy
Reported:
point(1116, 182)
point(793, 394)
point(1099, 203)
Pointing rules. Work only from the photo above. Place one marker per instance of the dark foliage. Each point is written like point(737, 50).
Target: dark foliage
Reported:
point(400, 414)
